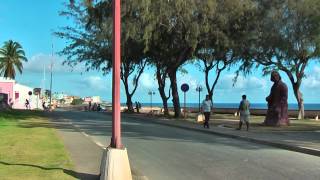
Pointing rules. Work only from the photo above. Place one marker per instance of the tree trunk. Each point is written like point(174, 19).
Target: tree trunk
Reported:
point(129, 103)
point(164, 98)
point(207, 70)
point(175, 95)
point(299, 99)
point(128, 95)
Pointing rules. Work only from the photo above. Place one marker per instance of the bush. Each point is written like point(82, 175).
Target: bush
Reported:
point(76, 102)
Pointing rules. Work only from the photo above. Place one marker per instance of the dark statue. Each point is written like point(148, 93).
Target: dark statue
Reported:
point(277, 114)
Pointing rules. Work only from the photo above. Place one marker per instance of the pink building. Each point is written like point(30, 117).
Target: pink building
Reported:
point(16, 94)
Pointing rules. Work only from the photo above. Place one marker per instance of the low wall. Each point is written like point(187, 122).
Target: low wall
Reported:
point(291, 113)
point(259, 112)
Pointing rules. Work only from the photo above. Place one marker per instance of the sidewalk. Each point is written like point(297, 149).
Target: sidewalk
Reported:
point(84, 152)
point(307, 142)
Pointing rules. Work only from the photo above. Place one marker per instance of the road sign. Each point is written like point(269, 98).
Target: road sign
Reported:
point(185, 87)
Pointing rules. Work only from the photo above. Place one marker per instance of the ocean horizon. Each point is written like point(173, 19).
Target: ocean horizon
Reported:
point(291, 106)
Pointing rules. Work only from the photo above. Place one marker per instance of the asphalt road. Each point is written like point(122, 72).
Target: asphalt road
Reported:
point(168, 153)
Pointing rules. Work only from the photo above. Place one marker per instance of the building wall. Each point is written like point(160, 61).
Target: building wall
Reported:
point(6, 87)
point(22, 90)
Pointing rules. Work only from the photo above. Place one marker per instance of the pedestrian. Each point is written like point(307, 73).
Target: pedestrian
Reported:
point(137, 107)
point(94, 108)
point(27, 104)
point(206, 108)
point(44, 105)
point(244, 110)
point(89, 108)
point(99, 108)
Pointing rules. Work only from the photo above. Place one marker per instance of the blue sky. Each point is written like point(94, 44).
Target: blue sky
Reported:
point(31, 23)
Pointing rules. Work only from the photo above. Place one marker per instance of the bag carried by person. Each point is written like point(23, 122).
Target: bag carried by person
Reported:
point(199, 118)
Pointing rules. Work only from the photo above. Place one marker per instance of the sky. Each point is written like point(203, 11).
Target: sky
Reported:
point(32, 23)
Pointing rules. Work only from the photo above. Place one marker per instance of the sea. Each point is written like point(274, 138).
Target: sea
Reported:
point(236, 105)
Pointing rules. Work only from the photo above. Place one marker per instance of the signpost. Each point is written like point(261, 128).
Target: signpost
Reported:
point(184, 88)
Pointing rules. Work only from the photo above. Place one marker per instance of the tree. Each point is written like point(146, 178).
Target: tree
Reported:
point(11, 57)
point(174, 26)
point(91, 40)
point(288, 39)
point(222, 36)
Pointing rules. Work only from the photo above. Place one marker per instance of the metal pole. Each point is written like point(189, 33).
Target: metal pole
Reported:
point(116, 57)
point(184, 104)
point(51, 78)
point(199, 100)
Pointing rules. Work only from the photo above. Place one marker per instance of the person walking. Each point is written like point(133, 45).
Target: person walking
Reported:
point(89, 106)
point(137, 107)
point(206, 108)
point(244, 110)
point(27, 104)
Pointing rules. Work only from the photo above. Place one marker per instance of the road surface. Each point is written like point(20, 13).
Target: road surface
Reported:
point(168, 153)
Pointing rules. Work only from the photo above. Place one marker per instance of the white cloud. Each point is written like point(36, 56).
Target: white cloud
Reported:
point(188, 79)
point(243, 83)
point(147, 80)
point(93, 83)
point(313, 79)
point(38, 62)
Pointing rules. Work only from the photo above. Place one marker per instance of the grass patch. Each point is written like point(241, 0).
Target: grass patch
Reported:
point(31, 152)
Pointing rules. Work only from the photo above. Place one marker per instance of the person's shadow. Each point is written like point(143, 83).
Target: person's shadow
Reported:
point(78, 175)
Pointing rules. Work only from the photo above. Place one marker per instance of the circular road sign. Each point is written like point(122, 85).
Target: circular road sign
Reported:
point(184, 87)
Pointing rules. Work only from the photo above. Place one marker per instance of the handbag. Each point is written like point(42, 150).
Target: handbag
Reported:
point(199, 117)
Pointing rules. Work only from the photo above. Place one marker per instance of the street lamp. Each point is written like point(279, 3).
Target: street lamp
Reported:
point(115, 162)
point(199, 89)
point(151, 93)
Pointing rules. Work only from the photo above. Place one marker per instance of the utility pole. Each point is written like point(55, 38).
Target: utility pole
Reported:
point(115, 162)
point(51, 68)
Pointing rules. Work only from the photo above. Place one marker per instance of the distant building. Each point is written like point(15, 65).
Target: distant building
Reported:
point(15, 94)
point(93, 99)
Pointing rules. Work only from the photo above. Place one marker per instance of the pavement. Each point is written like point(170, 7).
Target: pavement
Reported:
point(163, 151)
point(84, 151)
point(307, 142)
point(78, 144)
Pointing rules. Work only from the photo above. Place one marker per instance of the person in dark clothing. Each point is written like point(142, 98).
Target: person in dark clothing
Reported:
point(27, 104)
point(137, 107)
point(89, 108)
point(44, 106)
point(99, 108)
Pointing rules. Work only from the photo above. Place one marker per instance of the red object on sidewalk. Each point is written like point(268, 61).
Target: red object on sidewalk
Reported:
point(116, 113)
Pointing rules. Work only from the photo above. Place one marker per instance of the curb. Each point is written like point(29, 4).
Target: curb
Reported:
point(300, 149)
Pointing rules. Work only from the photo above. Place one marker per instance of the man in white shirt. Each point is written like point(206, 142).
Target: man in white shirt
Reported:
point(244, 110)
point(206, 108)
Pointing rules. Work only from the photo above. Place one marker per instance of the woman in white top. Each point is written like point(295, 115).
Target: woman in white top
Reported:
point(206, 108)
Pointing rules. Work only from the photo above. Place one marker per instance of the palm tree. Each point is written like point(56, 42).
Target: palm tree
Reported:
point(11, 57)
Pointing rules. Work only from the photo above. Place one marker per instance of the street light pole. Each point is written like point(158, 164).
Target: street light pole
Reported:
point(116, 113)
point(199, 89)
point(115, 162)
point(151, 93)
